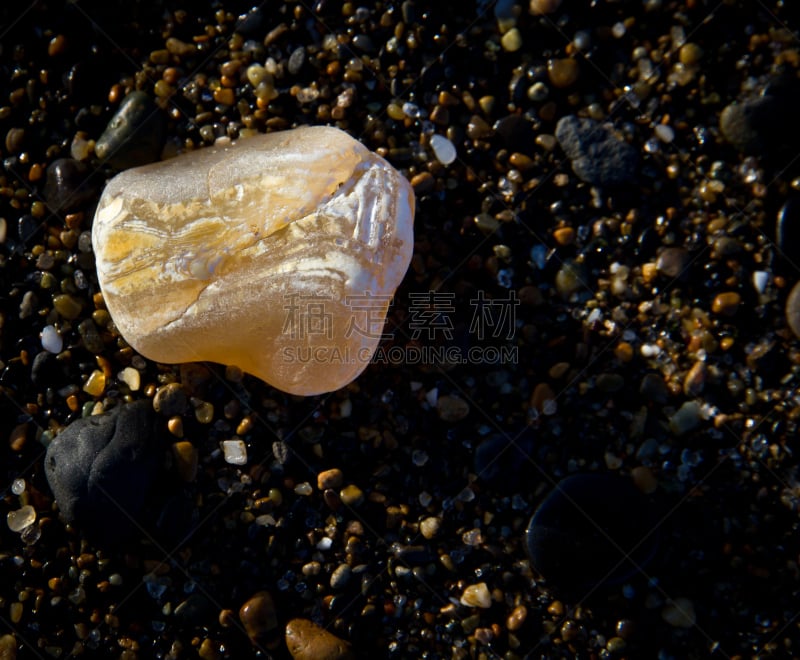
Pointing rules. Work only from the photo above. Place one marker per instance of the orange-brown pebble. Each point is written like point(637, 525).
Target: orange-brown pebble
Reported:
point(175, 426)
point(541, 393)
point(564, 235)
point(308, 641)
point(186, 460)
point(57, 45)
point(563, 72)
point(259, 617)
point(517, 617)
point(423, 183)
point(624, 352)
point(644, 479)
point(224, 95)
point(726, 304)
point(329, 479)
point(556, 608)
point(520, 161)
point(541, 7)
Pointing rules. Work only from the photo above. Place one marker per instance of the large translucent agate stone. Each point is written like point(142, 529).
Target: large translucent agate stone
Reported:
point(278, 254)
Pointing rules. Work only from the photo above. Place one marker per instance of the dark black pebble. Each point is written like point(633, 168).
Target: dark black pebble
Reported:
point(592, 529)
point(69, 184)
point(765, 125)
point(598, 156)
point(100, 469)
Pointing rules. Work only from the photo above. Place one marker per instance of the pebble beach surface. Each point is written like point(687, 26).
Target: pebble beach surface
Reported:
point(579, 437)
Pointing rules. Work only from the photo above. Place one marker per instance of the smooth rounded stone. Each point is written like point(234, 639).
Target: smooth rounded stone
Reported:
point(101, 467)
point(686, 418)
point(429, 527)
point(186, 460)
point(278, 254)
point(308, 641)
point(68, 185)
point(477, 595)
point(51, 339)
point(259, 617)
point(329, 479)
point(597, 154)
point(563, 73)
point(793, 310)
point(170, 400)
point(196, 610)
point(452, 408)
point(340, 576)
point(726, 303)
point(135, 134)
point(92, 341)
point(21, 518)
point(674, 262)
point(500, 462)
point(443, 149)
point(787, 232)
point(679, 613)
point(583, 532)
point(8, 647)
point(765, 125)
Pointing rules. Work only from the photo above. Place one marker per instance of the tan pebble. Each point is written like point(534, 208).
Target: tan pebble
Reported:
point(452, 408)
point(558, 370)
point(477, 595)
point(429, 527)
point(8, 647)
point(208, 650)
point(690, 54)
point(520, 161)
point(541, 393)
point(423, 183)
point(186, 459)
point(329, 479)
point(18, 437)
point(224, 95)
point(517, 617)
point(563, 72)
point(695, 380)
point(259, 617)
point(679, 613)
point(511, 41)
point(541, 7)
point(486, 104)
point(351, 495)
point(644, 479)
point(308, 641)
point(15, 612)
point(546, 141)
point(726, 303)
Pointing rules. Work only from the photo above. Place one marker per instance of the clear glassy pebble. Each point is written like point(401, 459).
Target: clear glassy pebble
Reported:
point(278, 254)
point(21, 518)
point(51, 340)
point(443, 149)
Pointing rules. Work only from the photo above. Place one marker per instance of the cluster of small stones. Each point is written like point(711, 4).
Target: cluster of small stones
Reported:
point(653, 337)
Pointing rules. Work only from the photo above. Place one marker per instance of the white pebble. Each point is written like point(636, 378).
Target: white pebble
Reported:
point(131, 378)
point(51, 340)
point(760, 279)
point(443, 149)
point(303, 488)
point(235, 452)
point(18, 486)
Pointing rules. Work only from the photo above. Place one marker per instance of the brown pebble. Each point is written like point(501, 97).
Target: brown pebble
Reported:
point(423, 183)
point(224, 95)
point(18, 437)
point(8, 647)
point(564, 235)
point(57, 45)
point(695, 380)
point(186, 460)
point(541, 393)
point(644, 479)
point(541, 7)
point(329, 479)
point(520, 161)
point(517, 617)
point(452, 408)
point(563, 72)
point(308, 641)
point(726, 303)
point(259, 617)
point(478, 129)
